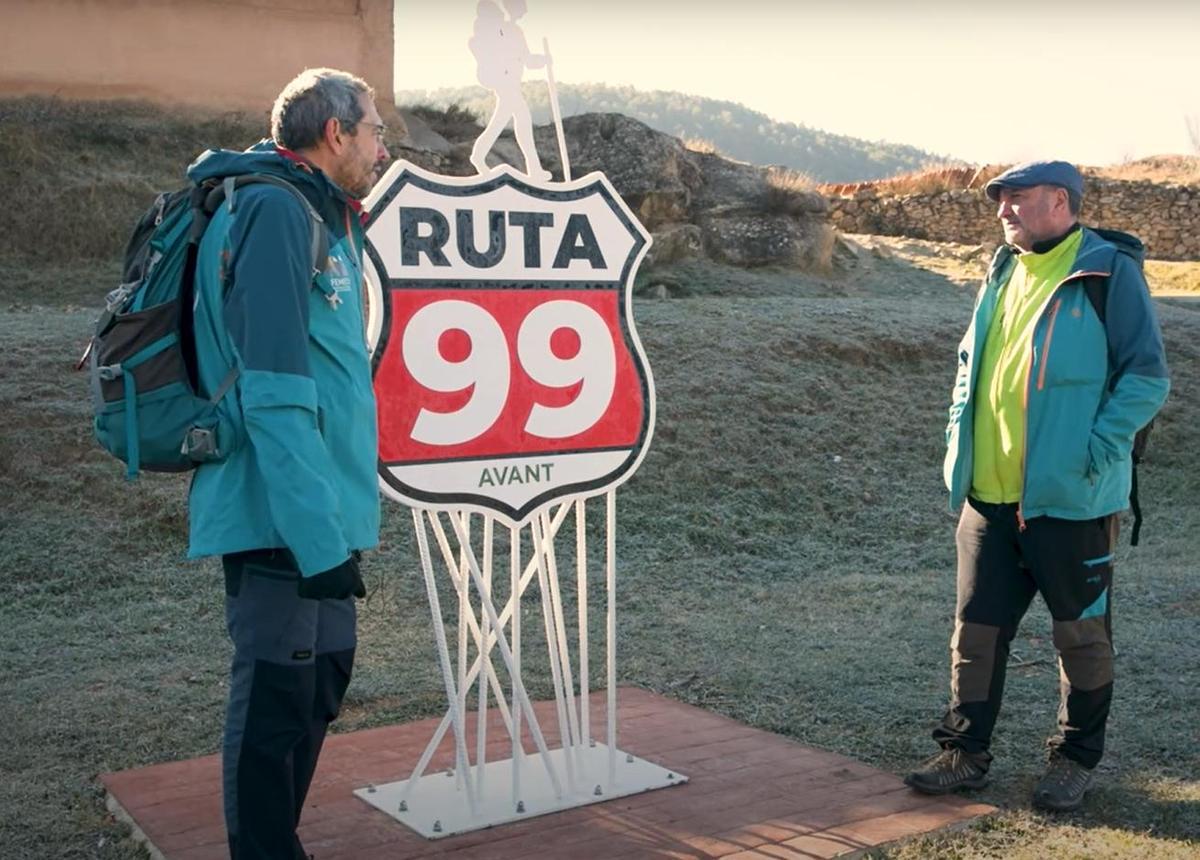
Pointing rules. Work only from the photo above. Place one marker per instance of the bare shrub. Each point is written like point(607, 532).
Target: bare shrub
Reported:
point(787, 191)
point(701, 145)
point(933, 178)
point(453, 122)
point(937, 177)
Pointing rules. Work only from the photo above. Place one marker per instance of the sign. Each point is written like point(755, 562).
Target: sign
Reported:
point(508, 372)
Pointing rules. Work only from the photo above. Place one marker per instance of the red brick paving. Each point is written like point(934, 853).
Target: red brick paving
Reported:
point(751, 794)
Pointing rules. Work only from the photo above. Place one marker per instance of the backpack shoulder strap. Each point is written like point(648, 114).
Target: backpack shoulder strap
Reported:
point(1097, 293)
point(1096, 289)
point(226, 192)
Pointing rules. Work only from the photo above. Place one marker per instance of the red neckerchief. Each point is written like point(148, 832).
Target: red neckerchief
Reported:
point(305, 164)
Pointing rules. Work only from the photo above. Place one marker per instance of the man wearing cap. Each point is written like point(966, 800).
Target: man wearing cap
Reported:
point(1047, 400)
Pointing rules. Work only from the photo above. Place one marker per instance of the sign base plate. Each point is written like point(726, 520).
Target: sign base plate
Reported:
point(435, 807)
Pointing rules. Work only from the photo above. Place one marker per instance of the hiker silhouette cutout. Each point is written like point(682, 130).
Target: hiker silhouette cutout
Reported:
point(502, 56)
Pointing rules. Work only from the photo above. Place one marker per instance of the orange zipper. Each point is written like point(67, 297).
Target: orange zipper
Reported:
point(1041, 382)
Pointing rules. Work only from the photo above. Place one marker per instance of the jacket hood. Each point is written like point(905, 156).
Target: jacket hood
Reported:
point(1099, 248)
point(265, 157)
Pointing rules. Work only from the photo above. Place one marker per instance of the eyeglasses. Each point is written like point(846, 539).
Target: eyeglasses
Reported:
point(379, 129)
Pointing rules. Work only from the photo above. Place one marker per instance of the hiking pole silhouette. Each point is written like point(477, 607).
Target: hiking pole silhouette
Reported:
point(558, 128)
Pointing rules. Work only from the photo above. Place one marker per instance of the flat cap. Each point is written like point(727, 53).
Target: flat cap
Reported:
point(1033, 173)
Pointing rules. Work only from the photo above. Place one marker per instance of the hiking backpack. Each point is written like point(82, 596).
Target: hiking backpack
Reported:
point(149, 410)
point(1097, 293)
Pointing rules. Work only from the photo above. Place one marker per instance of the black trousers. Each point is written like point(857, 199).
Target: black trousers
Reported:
point(291, 665)
point(1000, 568)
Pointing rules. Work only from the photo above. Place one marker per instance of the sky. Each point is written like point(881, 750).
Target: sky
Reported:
point(1093, 83)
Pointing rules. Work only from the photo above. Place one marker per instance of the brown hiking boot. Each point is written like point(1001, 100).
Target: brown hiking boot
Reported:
point(950, 770)
point(1063, 786)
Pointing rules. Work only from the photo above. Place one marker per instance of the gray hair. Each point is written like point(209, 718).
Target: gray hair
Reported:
point(1074, 202)
point(310, 100)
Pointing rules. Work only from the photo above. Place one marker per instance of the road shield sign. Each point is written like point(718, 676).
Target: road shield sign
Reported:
point(507, 368)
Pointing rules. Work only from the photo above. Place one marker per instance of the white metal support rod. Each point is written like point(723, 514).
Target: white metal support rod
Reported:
point(506, 654)
point(610, 563)
point(473, 626)
point(562, 139)
point(439, 629)
point(513, 718)
point(484, 649)
point(526, 578)
point(473, 566)
point(560, 625)
point(446, 722)
point(564, 726)
point(518, 750)
point(585, 711)
point(475, 631)
point(464, 599)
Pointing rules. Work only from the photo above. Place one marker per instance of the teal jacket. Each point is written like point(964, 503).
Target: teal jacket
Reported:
point(1091, 386)
point(301, 472)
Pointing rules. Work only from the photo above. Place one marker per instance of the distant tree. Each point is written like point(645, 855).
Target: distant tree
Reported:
point(1193, 127)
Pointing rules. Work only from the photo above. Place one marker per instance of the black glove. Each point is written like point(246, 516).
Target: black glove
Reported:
point(337, 583)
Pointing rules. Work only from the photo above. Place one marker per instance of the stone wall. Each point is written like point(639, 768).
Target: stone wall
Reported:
point(1165, 217)
point(214, 53)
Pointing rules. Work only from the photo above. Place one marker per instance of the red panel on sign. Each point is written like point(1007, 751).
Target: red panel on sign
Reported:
point(401, 398)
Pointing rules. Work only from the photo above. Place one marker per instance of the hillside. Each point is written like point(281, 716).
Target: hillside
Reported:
point(735, 130)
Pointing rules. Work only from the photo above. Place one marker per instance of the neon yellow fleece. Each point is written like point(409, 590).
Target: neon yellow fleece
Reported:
point(1000, 389)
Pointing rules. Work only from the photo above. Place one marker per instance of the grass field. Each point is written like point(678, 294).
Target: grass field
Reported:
point(785, 558)
point(786, 555)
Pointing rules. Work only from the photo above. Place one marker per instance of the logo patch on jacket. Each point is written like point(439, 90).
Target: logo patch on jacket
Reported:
point(339, 276)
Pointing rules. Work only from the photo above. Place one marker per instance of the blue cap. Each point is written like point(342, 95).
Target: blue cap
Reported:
point(1033, 173)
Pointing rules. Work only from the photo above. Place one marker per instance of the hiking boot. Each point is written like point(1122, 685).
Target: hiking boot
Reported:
point(1063, 785)
point(950, 770)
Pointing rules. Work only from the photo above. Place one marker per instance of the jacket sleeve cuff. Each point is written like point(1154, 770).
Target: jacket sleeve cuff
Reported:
point(317, 559)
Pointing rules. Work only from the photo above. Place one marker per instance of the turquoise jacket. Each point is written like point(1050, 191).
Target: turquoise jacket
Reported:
point(301, 472)
point(1091, 386)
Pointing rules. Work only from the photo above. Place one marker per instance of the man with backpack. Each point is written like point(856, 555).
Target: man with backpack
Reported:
point(1060, 368)
point(293, 501)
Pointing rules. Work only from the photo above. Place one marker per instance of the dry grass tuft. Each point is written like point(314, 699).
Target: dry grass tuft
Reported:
point(453, 122)
point(787, 191)
point(1176, 169)
point(701, 145)
point(83, 171)
point(934, 178)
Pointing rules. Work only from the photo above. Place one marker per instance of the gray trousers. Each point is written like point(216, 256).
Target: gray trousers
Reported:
point(292, 662)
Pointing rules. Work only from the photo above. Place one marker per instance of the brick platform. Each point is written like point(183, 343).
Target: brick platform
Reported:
point(751, 795)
